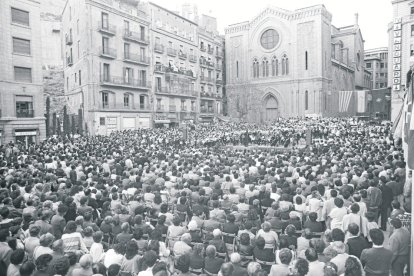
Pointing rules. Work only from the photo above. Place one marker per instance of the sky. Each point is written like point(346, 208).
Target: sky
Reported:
point(374, 15)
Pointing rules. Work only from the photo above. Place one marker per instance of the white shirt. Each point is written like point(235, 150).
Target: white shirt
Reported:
point(147, 272)
point(97, 252)
point(111, 257)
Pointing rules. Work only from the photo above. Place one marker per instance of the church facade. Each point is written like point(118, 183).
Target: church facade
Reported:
point(293, 64)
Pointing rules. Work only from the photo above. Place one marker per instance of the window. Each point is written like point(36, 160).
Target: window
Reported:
point(102, 121)
point(126, 50)
point(126, 100)
point(142, 101)
point(192, 105)
point(22, 74)
point(106, 72)
point(20, 17)
point(274, 60)
point(76, 78)
point(306, 100)
point(285, 65)
point(411, 10)
point(21, 46)
point(105, 43)
point(158, 84)
point(269, 39)
point(105, 21)
point(128, 74)
point(142, 52)
point(158, 103)
point(368, 65)
point(78, 49)
point(77, 26)
point(142, 32)
point(105, 99)
point(143, 76)
point(24, 107)
point(80, 78)
point(265, 66)
point(182, 105)
point(306, 60)
point(237, 69)
point(126, 27)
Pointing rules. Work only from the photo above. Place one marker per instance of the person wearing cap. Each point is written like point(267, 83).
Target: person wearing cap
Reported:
point(399, 244)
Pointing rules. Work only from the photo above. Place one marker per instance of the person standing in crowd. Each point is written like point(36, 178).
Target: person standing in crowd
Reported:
point(399, 244)
point(376, 260)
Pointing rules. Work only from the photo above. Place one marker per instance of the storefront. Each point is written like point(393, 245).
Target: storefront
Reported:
point(25, 137)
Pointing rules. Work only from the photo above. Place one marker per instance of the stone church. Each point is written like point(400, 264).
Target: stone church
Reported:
point(293, 64)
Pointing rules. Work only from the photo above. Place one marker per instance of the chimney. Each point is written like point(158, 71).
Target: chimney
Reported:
point(356, 19)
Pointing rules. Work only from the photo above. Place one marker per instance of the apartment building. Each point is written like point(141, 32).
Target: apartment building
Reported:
point(21, 92)
point(175, 67)
point(106, 68)
point(211, 68)
point(376, 62)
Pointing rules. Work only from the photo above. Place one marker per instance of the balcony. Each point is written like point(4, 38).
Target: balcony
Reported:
point(160, 108)
point(182, 55)
point(219, 54)
point(69, 61)
point(69, 40)
point(218, 67)
point(171, 52)
point(123, 82)
point(187, 93)
point(206, 79)
point(208, 110)
point(126, 108)
point(219, 82)
point(192, 58)
point(159, 68)
point(210, 95)
point(172, 108)
point(24, 113)
point(136, 37)
point(210, 51)
point(107, 28)
point(206, 63)
point(180, 71)
point(137, 59)
point(107, 52)
point(203, 48)
point(158, 48)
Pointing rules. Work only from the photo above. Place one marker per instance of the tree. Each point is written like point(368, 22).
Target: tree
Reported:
point(58, 129)
point(80, 122)
point(73, 125)
point(66, 121)
point(47, 116)
point(54, 124)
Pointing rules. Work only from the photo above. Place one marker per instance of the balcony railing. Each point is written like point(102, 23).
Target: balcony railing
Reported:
point(24, 113)
point(159, 48)
point(122, 106)
point(108, 28)
point(203, 48)
point(206, 79)
point(134, 58)
point(171, 52)
point(210, 51)
point(120, 81)
point(218, 67)
point(107, 52)
point(210, 95)
point(209, 110)
point(206, 63)
point(181, 92)
point(182, 55)
point(219, 81)
point(136, 37)
point(219, 54)
point(192, 58)
point(160, 108)
point(160, 68)
point(68, 39)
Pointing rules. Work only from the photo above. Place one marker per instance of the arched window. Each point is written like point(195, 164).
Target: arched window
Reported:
point(306, 100)
point(274, 66)
point(285, 65)
point(265, 67)
point(306, 60)
point(237, 69)
point(256, 69)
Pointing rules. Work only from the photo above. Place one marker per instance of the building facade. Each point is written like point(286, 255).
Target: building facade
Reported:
point(107, 63)
point(401, 48)
point(292, 64)
point(21, 91)
point(174, 56)
point(376, 62)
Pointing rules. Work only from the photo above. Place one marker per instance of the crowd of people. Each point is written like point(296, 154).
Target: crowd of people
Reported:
point(150, 203)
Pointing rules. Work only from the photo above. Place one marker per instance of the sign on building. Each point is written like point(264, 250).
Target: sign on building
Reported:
point(396, 55)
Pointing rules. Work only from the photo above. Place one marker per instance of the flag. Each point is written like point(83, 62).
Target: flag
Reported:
point(344, 100)
point(410, 128)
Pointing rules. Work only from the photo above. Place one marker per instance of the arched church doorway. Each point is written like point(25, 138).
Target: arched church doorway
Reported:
point(271, 108)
